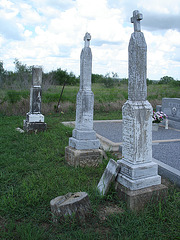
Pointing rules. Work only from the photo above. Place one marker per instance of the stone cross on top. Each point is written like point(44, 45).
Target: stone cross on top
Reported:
point(137, 17)
point(87, 39)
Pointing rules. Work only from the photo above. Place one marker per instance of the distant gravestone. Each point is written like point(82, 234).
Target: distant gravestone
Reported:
point(83, 149)
point(137, 169)
point(34, 119)
point(171, 107)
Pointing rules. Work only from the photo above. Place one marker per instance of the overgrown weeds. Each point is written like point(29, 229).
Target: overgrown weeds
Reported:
point(106, 100)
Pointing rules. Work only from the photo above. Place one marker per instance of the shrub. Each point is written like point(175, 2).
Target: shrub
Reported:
point(13, 96)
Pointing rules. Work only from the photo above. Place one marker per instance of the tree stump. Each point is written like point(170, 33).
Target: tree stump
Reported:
point(72, 204)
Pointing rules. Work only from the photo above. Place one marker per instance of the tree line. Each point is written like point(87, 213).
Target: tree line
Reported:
point(21, 77)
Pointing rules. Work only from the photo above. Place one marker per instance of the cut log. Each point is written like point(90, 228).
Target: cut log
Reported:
point(77, 204)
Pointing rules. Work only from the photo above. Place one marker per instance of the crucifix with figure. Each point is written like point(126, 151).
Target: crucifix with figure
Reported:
point(137, 17)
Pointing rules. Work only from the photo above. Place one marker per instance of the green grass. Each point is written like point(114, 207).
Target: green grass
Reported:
point(33, 171)
point(108, 102)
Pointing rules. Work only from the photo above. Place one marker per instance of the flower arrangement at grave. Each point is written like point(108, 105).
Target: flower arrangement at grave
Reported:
point(158, 117)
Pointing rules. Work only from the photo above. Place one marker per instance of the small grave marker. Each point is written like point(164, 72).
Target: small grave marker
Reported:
point(108, 176)
point(171, 107)
point(34, 119)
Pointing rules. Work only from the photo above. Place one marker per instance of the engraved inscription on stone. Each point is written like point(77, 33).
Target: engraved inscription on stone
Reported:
point(137, 88)
point(174, 111)
point(136, 167)
point(126, 171)
point(35, 104)
point(171, 106)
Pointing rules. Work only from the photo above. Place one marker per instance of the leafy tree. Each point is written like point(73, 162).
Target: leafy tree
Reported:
point(149, 82)
point(166, 80)
point(61, 76)
point(97, 78)
point(22, 75)
point(108, 81)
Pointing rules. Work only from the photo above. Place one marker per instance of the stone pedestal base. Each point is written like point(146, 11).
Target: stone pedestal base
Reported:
point(138, 199)
point(34, 126)
point(138, 176)
point(34, 117)
point(83, 158)
point(84, 144)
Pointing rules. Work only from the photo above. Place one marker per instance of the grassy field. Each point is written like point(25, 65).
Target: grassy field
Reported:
point(108, 101)
point(33, 171)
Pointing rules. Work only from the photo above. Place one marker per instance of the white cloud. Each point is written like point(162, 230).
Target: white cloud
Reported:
point(50, 33)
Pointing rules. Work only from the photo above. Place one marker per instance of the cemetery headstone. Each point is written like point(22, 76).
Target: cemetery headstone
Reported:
point(34, 119)
point(83, 149)
point(108, 176)
point(137, 169)
point(171, 107)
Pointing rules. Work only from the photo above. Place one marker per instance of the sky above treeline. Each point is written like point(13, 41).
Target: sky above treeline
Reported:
point(50, 33)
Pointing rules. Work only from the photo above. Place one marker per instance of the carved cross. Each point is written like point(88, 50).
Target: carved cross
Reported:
point(87, 39)
point(137, 17)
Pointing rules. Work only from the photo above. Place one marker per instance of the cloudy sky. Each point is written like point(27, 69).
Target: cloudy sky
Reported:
point(50, 33)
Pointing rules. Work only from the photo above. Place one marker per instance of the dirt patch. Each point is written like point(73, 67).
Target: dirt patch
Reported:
point(105, 211)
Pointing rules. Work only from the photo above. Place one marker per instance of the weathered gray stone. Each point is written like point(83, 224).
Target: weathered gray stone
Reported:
point(84, 146)
point(138, 199)
point(137, 131)
point(77, 204)
point(20, 130)
point(35, 100)
point(137, 88)
point(171, 107)
point(34, 119)
point(137, 169)
point(83, 158)
point(108, 177)
point(84, 137)
point(37, 76)
point(158, 108)
point(34, 126)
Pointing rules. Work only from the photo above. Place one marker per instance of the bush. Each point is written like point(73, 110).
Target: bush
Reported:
point(108, 82)
point(124, 81)
point(13, 96)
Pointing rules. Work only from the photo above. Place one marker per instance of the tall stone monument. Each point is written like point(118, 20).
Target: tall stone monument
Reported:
point(137, 169)
point(34, 119)
point(83, 149)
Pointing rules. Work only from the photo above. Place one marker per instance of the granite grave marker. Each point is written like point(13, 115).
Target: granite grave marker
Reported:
point(84, 146)
point(34, 119)
point(137, 169)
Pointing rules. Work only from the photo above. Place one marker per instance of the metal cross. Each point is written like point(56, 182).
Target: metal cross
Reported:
point(87, 39)
point(137, 17)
